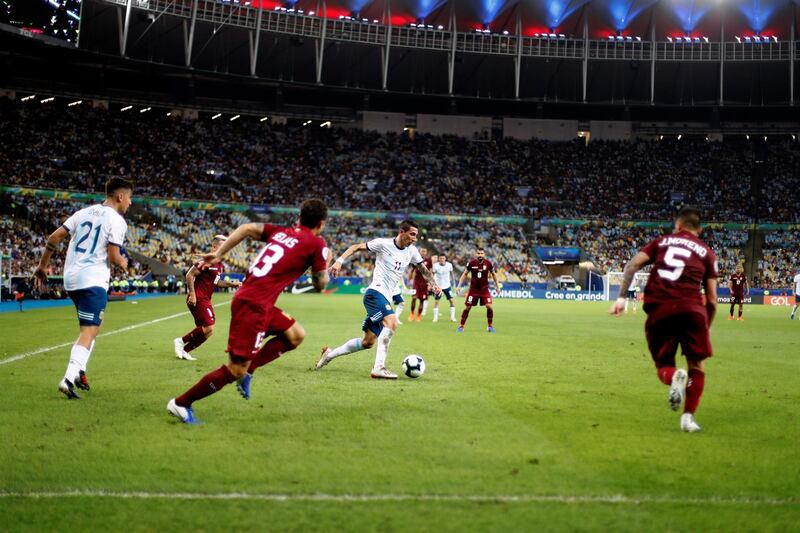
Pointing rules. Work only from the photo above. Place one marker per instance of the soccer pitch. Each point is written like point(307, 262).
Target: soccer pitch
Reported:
point(555, 423)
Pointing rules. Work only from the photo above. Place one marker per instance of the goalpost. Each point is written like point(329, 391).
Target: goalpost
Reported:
point(612, 281)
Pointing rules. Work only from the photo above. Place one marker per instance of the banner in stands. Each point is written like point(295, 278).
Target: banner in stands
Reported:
point(749, 299)
point(555, 253)
point(779, 300)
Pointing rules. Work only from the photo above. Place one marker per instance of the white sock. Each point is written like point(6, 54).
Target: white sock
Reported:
point(353, 345)
point(78, 358)
point(626, 305)
point(399, 310)
point(452, 312)
point(383, 348)
point(91, 349)
point(424, 307)
point(436, 313)
point(794, 308)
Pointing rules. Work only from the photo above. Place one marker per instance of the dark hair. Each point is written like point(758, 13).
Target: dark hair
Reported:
point(407, 224)
point(114, 185)
point(479, 249)
point(690, 217)
point(312, 212)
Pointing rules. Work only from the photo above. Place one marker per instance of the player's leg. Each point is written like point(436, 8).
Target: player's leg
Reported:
point(413, 308)
point(436, 307)
point(696, 345)
point(90, 305)
point(213, 382)
point(288, 335)
point(468, 302)
point(371, 326)
point(733, 306)
point(487, 301)
point(663, 345)
point(424, 306)
point(741, 308)
point(452, 309)
point(794, 308)
point(379, 369)
point(399, 303)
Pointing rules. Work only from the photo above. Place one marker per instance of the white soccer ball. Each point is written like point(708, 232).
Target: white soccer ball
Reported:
point(413, 366)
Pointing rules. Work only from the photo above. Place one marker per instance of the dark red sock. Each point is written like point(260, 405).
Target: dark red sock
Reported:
point(694, 390)
point(489, 316)
point(740, 312)
point(413, 305)
point(732, 306)
point(464, 316)
point(193, 339)
point(208, 385)
point(273, 349)
point(665, 374)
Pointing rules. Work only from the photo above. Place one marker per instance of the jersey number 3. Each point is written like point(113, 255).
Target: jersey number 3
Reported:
point(271, 254)
point(673, 258)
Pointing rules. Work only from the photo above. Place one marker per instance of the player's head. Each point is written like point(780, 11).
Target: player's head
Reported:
point(423, 252)
point(480, 253)
point(442, 259)
point(688, 220)
point(408, 235)
point(313, 213)
point(119, 191)
point(217, 242)
point(739, 269)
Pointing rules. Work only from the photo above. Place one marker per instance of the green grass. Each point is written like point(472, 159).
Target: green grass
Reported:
point(562, 402)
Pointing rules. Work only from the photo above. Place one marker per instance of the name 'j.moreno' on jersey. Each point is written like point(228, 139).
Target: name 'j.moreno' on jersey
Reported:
point(442, 273)
point(91, 230)
point(391, 262)
point(289, 252)
point(681, 264)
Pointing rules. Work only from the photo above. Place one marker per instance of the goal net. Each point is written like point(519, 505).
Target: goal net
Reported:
point(612, 281)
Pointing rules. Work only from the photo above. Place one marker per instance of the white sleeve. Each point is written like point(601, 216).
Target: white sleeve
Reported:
point(116, 234)
point(375, 246)
point(71, 223)
point(415, 257)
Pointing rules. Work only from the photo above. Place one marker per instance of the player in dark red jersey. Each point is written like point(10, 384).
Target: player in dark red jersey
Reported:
point(420, 288)
point(479, 270)
point(677, 312)
point(288, 253)
point(200, 284)
point(738, 285)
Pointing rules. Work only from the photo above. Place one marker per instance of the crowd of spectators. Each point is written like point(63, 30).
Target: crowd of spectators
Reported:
point(780, 263)
point(253, 162)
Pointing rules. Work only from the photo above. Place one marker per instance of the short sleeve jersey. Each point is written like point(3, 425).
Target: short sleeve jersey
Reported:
point(91, 230)
point(390, 263)
point(479, 276)
point(206, 280)
point(289, 252)
point(738, 283)
point(681, 263)
point(442, 273)
point(797, 284)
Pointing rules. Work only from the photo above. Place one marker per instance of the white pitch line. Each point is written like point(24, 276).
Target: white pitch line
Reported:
point(25, 355)
point(348, 498)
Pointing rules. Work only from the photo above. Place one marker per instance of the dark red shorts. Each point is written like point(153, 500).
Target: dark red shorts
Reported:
point(737, 298)
point(203, 313)
point(251, 324)
point(665, 332)
point(478, 299)
point(421, 293)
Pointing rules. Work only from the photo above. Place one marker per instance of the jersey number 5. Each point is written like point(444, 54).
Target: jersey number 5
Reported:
point(673, 259)
point(88, 226)
point(270, 255)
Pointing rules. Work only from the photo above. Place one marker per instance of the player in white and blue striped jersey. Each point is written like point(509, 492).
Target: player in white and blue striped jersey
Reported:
point(97, 234)
point(392, 258)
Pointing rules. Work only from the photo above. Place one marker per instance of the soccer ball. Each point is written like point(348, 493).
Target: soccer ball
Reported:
point(413, 366)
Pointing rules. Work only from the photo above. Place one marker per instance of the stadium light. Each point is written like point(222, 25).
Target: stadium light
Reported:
point(234, 117)
point(127, 108)
point(215, 117)
point(325, 124)
point(169, 113)
point(145, 110)
point(47, 100)
point(311, 13)
point(679, 136)
point(747, 137)
point(31, 97)
point(264, 119)
point(76, 102)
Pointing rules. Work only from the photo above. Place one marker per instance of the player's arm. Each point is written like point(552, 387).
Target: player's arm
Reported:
point(461, 280)
point(115, 256)
point(337, 265)
point(50, 247)
point(496, 284)
point(634, 265)
point(245, 231)
point(191, 296)
point(423, 271)
point(710, 286)
point(222, 284)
